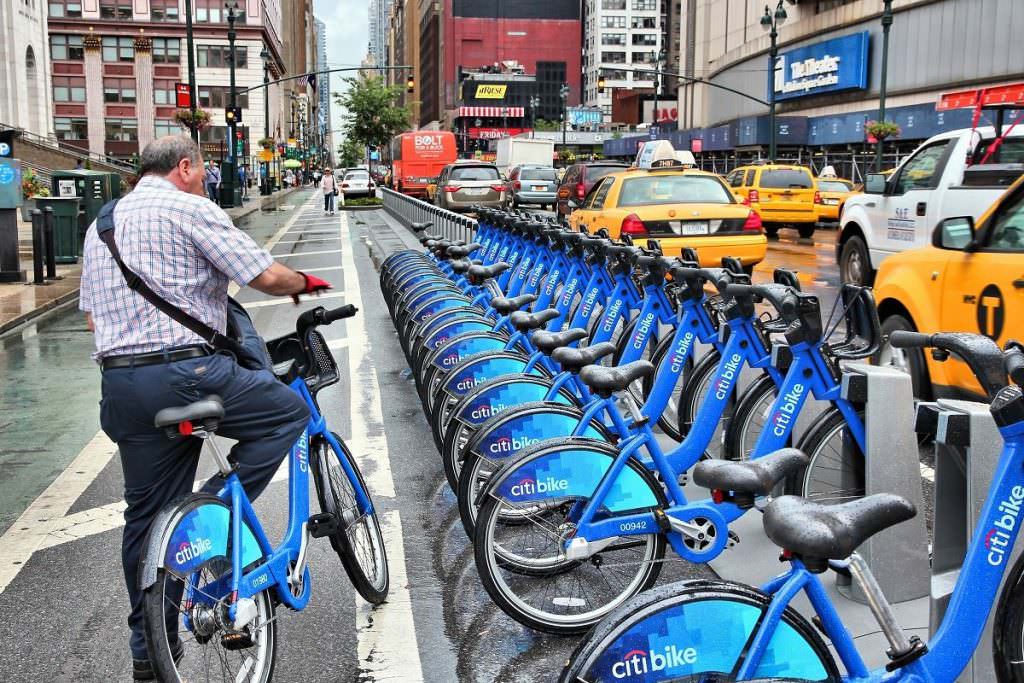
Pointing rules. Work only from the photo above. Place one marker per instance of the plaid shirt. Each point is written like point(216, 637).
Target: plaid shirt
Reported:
point(185, 248)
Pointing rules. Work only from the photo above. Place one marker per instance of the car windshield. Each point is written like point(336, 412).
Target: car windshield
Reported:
point(474, 173)
point(833, 186)
point(546, 174)
point(781, 177)
point(673, 189)
point(598, 172)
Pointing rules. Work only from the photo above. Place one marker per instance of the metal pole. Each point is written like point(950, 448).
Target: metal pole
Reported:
point(266, 119)
point(773, 53)
point(51, 260)
point(231, 181)
point(886, 23)
point(37, 247)
point(190, 46)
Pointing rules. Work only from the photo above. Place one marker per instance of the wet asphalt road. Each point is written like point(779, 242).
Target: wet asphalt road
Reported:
point(62, 607)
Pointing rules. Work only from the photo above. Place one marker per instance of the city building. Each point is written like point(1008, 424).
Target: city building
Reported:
point(116, 64)
point(323, 89)
point(379, 11)
point(621, 37)
point(462, 36)
point(25, 67)
point(404, 48)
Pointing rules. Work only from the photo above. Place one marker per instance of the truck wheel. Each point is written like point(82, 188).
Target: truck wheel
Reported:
point(806, 230)
point(910, 361)
point(855, 264)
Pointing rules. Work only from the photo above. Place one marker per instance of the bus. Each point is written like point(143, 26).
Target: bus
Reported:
point(417, 157)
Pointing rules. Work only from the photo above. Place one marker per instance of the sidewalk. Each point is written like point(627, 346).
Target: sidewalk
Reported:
point(21, 303)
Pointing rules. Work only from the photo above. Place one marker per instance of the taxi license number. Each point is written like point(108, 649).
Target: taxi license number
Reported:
point(690, 227)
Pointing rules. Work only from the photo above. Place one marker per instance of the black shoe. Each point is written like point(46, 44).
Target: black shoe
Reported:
point(142, 669)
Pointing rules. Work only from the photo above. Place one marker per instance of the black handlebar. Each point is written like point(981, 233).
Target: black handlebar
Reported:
point(1014, 361)
point(982, 355)
point(322, 316)
point(780, 296)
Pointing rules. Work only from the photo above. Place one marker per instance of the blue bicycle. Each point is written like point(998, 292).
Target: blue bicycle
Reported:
point(211, 578)
point(718, 630)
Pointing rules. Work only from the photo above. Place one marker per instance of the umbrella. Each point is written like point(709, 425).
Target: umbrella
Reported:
point(292, 163)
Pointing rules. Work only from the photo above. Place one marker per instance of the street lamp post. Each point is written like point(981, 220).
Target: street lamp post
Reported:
point(886, 24)
point(265, 178)
point(771, 22)
point(659, 85)
point(229, 175)
point(563, 92)
point(534, 103)
point(189, 45)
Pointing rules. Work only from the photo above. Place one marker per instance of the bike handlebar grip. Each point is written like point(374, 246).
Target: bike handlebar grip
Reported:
point(735, 289)
point(1014, 361)
point(904, 339)
point(346, 311)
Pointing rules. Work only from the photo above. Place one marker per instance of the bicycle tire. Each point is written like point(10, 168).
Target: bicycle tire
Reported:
point(374, 590)
point(1008, 627)
point(740, 433)
point(694, 391)
point(815, 481)
point(643, 611)
point(167, 664)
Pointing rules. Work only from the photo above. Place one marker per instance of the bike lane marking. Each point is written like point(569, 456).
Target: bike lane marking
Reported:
point(280, 301)
point(306, 253)
point(386, 634)
point(45, 522)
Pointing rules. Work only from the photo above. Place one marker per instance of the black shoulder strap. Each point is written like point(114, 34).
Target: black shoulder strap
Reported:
point(105, 231)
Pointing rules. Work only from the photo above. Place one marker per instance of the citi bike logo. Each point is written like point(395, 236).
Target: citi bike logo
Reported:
point(302, 452)
point(724, 382)
point(611, 315)
point(190, 550)
point(451, 359)
point(638, 662)
point(588, 303)
point(508, 445)
point(549, 289)
point(528, 486)
point(468, 383)
point(486, 410)
point(784, 415)
point(536, 274)
point(997, 540)
point(568, 292)
point(680, 352)
point(642, 329)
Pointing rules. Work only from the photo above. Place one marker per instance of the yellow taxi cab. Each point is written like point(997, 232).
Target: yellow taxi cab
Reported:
point(782, 194)
point(971, 279)
point(679, 207)
point(831, 195)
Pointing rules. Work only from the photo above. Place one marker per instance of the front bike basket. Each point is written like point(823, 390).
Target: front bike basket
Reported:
point(863, 336)
point(311, 357)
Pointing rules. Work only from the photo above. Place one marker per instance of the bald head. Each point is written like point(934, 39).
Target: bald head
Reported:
point(176, 158)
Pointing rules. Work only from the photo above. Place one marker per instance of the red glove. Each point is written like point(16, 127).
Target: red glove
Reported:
point(314, 285)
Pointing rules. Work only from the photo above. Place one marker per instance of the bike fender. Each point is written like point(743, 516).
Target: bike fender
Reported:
point(569, 470)
point(515, 433)
point(477, 371)
point(181, 541)
point(492, 400)
point(451, 353)
point(455, 329)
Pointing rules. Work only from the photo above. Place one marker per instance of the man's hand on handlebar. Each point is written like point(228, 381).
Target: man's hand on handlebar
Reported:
point(314, 285)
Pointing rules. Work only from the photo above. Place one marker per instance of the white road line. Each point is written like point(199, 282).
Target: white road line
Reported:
point(337, 344)
point(306, 231)
point(311, 239)
point(287, 300)
point(307, 253)
point(388, 650)
point(386, 635)
point(320, 270)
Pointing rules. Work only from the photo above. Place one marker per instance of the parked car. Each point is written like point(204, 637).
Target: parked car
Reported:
point(358, 183)
point(531, 184)
point(579, 179)
point(969, 279)
point(782, 194)
point(465, 184)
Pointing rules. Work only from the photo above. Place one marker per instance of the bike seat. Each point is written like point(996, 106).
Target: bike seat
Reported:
point(547, 342)
point(749, 478)
point(817, 533)
point(505, 305)
point(427, 237)
point(606, 381)
point(207, 412)
point(575, 360)
point(420, 227)
point(465, 250)
point(524, 322)
point(487, 272)
point(461, 266)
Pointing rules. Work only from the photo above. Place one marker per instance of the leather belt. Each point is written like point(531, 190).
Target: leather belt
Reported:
point(134, 360)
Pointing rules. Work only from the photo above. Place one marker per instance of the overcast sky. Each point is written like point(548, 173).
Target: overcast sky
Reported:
point(347, 41)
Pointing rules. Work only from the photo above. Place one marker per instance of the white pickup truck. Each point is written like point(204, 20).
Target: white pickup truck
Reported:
point(935, 182)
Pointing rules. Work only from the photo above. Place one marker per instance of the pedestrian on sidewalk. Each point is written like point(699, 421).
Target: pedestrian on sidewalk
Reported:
point(213, 182)
point(330, 188)
point(186, 252)
point(243, 181)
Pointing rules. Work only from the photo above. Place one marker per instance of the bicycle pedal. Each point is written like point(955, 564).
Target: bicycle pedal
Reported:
point(733, 541)
point(236, 640)
point(322, 524)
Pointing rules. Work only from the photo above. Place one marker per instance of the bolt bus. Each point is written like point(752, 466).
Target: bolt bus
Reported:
point(417, 157)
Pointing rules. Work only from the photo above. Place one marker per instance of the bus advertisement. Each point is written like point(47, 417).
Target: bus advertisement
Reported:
point(417, 157)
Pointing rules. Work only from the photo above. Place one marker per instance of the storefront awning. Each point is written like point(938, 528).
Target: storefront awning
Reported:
point(510, 112)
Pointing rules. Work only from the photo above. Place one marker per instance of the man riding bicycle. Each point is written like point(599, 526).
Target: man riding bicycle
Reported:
point(186, 250)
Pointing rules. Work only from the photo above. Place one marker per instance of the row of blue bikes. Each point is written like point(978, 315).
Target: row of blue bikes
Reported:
point(579, 387)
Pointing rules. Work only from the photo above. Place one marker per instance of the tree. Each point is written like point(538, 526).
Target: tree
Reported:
point(350, 152)
point(372, 114)
point(545, 125)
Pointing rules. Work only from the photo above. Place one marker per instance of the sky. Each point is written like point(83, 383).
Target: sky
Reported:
point(347, 24)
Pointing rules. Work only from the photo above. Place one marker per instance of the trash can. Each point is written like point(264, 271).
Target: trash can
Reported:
point(65, 226)
point(93, 188)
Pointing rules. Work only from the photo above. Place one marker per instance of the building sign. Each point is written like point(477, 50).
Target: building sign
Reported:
point(6, 144)
point(488, 91)
point(182, 96)
point(585, 116)
point(828, 66)
point(664, 111)
point(495, 133)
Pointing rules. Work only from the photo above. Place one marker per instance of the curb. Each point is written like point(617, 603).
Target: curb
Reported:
point(53, 306)
point(373, 207)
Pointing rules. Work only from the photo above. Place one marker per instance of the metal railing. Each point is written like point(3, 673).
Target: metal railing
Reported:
point(448, 224)
point(70, 150)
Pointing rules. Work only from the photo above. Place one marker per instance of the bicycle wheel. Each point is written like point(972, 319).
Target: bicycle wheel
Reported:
point(187, 631)
point(1008, 634)
point(749, 418)
point(698, 385)
point(697, 630)
point(835, 473)
point(358, 541)
point(523, 566)
point(668, 421)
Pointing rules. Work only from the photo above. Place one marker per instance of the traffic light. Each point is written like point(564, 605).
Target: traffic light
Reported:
point(600, 84)
point(233, 115)
point(410, 83)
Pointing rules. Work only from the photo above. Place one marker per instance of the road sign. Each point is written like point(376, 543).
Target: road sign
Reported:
point(6, 144)
point(266, 155)
point(182, 95)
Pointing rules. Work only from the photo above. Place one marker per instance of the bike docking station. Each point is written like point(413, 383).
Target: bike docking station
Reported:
point(967, 448)
point(898, 556)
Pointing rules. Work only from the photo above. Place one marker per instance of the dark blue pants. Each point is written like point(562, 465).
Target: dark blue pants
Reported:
point(264, 415)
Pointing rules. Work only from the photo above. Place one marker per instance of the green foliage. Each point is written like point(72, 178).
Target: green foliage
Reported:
point(566, 156)
point(350, 152)
point(880, 130)
point(364, 201)
point(543, 124)
point(372, 114)
point(33, 186)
